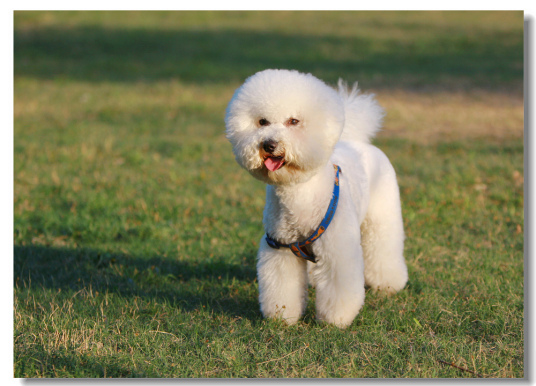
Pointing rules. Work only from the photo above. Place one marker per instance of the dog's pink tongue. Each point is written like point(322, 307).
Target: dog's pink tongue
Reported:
point(273, 163)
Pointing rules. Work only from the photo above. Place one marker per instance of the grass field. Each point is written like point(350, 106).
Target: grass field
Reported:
point(135, 231)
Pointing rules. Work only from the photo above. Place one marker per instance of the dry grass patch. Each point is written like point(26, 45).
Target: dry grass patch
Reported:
point(430, 117)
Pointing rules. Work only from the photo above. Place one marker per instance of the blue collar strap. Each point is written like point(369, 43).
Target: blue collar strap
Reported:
point(299, 248)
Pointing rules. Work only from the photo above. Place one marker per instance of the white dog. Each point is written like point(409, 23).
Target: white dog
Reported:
point(332, 216)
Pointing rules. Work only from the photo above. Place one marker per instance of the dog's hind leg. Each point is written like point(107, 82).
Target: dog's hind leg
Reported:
point(382, 238)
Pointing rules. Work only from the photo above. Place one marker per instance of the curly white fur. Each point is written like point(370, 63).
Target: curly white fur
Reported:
point(311, 127)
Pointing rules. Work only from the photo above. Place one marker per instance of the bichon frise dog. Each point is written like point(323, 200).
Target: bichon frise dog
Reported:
point(332, 216)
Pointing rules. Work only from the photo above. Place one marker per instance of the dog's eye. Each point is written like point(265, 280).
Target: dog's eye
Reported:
point(293, 121)
point(263, 122)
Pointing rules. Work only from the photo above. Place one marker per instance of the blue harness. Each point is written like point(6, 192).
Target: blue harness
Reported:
point(299, 247)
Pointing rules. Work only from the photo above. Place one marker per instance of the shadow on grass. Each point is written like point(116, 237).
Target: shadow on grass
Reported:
point(64, 364)
point(441, 57)
point(215, 285)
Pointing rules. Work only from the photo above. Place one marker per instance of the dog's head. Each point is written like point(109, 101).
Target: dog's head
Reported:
point(283, 125)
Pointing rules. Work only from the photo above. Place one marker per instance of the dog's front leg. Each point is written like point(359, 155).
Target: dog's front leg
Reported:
point(340, 286)
point(282, 283)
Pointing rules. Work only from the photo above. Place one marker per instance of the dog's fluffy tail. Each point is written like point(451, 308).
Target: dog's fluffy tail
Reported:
point(363, 115)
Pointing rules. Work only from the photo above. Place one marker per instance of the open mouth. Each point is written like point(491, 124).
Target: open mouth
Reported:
point(274, 163)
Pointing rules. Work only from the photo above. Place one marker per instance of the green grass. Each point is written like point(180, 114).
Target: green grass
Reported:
point(135, 231)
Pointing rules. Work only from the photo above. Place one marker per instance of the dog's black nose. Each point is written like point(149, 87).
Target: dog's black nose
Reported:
point(269, 145)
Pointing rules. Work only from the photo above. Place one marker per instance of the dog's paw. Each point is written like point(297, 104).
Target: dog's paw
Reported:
point(289, 315)
point(342, 321)
point(387, 281)
point(394, 284)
